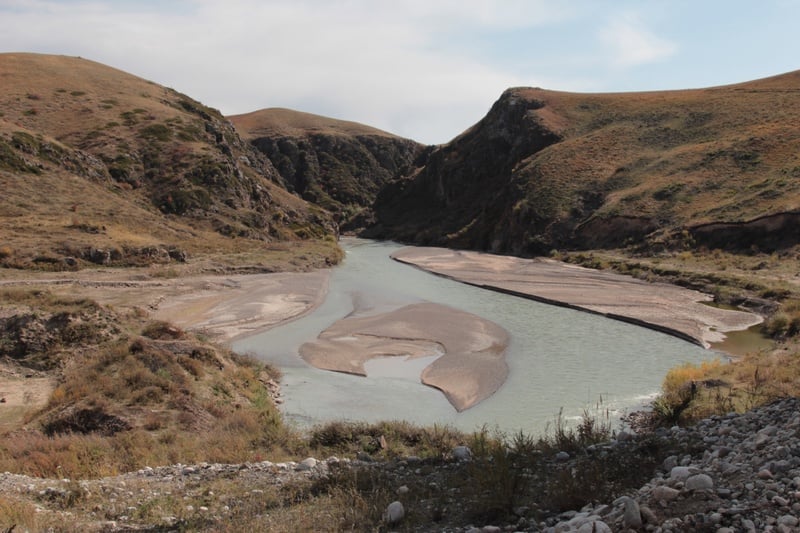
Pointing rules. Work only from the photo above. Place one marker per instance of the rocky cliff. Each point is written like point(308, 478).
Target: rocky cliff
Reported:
point(335, 164)
point(547, 170)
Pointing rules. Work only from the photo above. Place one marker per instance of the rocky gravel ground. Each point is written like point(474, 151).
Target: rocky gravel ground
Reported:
point(725, 474)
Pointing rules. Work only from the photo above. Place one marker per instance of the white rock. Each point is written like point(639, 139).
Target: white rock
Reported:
point(395, 512)
point(307, 464)
point(462, 453)
point(788, 520)
point(680, 473)
point(402, 490)
point(699, 482)
point(664, 493)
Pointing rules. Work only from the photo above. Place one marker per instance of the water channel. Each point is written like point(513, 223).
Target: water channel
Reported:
point(559, 359)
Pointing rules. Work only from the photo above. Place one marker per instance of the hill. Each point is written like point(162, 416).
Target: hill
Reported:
point(100, 166)
point(336, 164)
point(553, 170)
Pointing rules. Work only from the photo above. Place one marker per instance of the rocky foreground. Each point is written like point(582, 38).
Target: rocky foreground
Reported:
point(727, 473)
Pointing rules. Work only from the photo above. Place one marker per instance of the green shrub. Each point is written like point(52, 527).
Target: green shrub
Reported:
point(156, 132)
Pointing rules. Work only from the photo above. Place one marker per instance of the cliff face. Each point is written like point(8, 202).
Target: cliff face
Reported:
point(337, 165)
point(547, 170)
point(458, 197)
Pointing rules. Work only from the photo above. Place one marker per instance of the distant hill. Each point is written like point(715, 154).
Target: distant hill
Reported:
point(336, 164)
point(98, 165)
point(718, 167)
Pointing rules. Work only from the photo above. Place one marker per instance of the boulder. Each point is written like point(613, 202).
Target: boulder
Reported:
point(395, 512)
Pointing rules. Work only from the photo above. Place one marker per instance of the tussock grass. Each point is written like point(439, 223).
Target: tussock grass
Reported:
point(385, 440)
point(692, 392)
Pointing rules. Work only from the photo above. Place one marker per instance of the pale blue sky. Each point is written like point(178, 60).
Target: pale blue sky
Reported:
point(424, 69)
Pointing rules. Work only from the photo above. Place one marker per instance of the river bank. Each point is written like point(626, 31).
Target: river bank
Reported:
point(580, 369)
point(668, 308)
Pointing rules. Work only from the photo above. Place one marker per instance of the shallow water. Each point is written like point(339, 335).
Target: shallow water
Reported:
point(559, 359)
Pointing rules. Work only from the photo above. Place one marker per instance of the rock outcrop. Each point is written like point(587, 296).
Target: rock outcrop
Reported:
point(335, 164)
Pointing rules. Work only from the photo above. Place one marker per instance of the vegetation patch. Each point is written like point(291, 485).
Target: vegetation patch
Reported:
point(156, 132)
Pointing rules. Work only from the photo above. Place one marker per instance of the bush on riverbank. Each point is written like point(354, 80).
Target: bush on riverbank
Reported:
point(692, 392)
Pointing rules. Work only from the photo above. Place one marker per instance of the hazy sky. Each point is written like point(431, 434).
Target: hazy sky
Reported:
point(424, 69)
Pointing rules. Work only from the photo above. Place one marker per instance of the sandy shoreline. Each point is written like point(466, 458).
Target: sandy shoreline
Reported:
point(232, 307)
point(668, 308)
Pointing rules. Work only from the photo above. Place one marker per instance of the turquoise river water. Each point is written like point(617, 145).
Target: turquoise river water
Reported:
point(559, 359)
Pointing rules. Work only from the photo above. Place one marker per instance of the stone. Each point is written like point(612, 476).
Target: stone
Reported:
point(307, 464)
point(699, 482)
point(598, 526)
point(648, 516)
point(748, 525)
point(462, 453)
point(395, 512)
point(764, 474)
point(624, 436)
point(780, 501)
point(562, 456)
point(788, 520)
point(631, 516)
point(680, 473)
point(664, 493)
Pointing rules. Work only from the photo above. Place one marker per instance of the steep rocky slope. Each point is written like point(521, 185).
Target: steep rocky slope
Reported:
point(549, 169)
point(94, 158)
point(336, 164)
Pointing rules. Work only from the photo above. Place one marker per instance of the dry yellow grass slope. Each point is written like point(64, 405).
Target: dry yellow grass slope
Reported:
point(95, 158)
point(289, 123)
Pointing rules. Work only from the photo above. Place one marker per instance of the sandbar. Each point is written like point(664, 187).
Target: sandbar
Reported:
point(231, 307)
point(675, 310)
point(472, 365)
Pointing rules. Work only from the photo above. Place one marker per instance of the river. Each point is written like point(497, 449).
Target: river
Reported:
point(559, 359)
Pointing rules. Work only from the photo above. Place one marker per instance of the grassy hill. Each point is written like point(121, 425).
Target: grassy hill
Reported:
point(546, 169)
point(99, 166)
point(336, 164)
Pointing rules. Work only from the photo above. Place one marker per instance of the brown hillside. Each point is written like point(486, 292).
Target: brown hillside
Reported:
point(283, 122)
point(335, 164)
point(547, 169)
point(99, 165)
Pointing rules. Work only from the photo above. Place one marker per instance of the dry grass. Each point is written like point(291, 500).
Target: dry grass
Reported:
point(288, 123)
point(132, 393)
point(606, 170)
point(113, 162)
